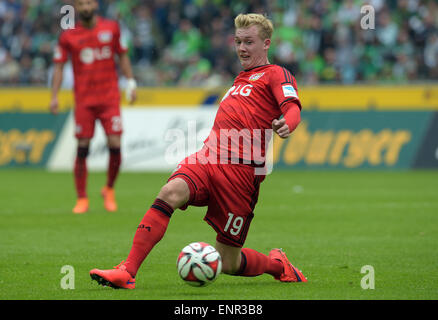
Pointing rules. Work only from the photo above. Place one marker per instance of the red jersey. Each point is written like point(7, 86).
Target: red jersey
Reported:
point(92, 53)
point(247, 110)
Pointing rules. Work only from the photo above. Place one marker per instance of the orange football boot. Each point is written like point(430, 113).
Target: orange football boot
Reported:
point(81, 206)
point(290, 273)
point(109, 199)
point(117, 278)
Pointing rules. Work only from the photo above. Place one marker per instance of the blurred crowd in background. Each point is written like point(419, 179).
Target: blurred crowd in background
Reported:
point(190, 42)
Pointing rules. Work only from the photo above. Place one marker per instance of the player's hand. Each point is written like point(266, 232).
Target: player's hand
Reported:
point(131, 90)
point(133, 96)
point(54, 105)
point(281, 128)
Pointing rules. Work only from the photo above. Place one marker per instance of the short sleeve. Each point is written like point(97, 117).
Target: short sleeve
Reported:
point(284, 87)
point(61, 50)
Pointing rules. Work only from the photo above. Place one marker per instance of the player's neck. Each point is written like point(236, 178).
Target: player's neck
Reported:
point(260, 63)
point(89, 24)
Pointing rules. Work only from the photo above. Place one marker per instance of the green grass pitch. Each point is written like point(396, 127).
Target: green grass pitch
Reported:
point(330, 223)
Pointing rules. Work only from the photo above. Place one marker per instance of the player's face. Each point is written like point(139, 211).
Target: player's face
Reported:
point(86, 9)
point(250, 48)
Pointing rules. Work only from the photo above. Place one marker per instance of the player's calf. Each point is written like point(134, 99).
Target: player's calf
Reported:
point(231, 258)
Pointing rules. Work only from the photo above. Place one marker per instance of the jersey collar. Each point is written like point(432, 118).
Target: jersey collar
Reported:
point(263, 65)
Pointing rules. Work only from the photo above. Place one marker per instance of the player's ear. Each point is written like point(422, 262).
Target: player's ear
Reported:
point(266, 44)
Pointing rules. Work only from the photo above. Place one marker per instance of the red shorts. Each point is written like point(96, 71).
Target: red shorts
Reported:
point(229, 190)
point(109, 116)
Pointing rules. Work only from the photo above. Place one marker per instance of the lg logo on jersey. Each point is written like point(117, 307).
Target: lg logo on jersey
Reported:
point(88, 55)
point(243, 91)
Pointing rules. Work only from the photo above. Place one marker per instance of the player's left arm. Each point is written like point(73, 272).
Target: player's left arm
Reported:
point(125, 65)
point(291, 119)
point(284, 88)
point(131, 84)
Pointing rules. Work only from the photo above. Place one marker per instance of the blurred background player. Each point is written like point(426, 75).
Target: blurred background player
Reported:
point(92, 46)
point(260, 95)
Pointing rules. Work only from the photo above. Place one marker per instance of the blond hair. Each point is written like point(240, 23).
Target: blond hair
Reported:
point(264, 25)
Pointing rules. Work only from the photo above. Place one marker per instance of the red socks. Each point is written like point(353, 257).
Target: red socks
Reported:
point(148, 234)
point(80, 172)
point(80, 169)
point(255, 263)
point(115, 159)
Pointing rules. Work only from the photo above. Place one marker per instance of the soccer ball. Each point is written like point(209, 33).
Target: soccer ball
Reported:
point(199, 264)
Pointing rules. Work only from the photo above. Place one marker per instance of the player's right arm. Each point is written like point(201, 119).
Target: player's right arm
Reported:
point(60, 57)
point(56, 85)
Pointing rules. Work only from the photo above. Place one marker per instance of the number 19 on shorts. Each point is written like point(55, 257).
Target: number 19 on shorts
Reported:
point(234, 224)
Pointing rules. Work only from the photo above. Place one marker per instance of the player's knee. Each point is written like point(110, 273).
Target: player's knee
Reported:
point(83, 142)
point(114, 141)
point(174, 194)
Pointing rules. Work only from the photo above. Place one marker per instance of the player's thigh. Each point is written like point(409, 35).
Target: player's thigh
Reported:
point(231, 257)
point(110, 118)
point(85, 120)
point(231, 221)
point(234, 193)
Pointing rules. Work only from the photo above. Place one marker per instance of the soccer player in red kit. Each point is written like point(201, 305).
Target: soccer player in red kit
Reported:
point(224, 177)
point(92, 46)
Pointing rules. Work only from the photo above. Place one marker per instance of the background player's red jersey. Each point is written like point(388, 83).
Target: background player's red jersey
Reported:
point(256, 98)
point(92, 53)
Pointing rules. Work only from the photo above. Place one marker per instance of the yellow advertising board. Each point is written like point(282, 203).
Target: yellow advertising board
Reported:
point(324, 98)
